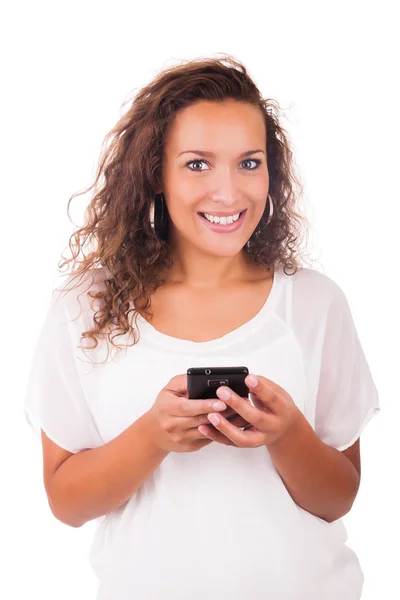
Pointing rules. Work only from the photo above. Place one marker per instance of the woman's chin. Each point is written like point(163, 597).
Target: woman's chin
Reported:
point(223, 251)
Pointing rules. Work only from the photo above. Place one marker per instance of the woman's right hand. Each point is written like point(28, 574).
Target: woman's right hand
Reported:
point(174, 418)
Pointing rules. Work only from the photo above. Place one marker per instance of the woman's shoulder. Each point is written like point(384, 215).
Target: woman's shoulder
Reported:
point(315, 291)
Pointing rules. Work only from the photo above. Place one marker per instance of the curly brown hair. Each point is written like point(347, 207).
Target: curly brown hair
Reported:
point(117, 218)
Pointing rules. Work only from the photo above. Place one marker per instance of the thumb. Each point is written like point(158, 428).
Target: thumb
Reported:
point(264, 391)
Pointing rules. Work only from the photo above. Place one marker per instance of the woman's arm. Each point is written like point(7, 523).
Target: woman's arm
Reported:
point(319, 478)
point(95, 481)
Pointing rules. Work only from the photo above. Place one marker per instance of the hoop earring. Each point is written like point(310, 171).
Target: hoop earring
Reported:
point(159, 217)
point(264, 222)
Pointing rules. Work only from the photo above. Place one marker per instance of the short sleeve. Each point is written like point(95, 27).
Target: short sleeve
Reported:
point(347, 397)
point(54, 399)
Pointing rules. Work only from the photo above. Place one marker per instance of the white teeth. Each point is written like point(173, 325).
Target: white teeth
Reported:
point(222, 220)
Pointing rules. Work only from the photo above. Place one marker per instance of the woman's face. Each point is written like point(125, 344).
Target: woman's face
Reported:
point(215, 163)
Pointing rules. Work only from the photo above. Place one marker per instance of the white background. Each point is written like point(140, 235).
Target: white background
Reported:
point(67, 68)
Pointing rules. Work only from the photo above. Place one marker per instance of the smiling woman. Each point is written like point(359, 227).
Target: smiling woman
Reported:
point(199, 138)
point(204, 264)
point(225, 187)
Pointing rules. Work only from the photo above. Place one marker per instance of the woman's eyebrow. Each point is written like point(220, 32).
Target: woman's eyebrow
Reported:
point(205, 153)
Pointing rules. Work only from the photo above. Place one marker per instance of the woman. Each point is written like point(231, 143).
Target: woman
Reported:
point(196, 228)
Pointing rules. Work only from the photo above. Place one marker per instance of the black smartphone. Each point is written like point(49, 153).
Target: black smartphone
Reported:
point(203, 382)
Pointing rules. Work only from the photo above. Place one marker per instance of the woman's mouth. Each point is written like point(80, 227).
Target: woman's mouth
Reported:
point(223, 226)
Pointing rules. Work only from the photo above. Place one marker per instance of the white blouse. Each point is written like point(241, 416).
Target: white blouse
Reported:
point(218, 523)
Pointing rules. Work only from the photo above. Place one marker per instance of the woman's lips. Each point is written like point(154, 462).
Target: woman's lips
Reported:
point(218, 228)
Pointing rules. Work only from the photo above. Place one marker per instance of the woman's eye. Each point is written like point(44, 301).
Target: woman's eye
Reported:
point(194, 162)
point(248, 160)
point(254, 160)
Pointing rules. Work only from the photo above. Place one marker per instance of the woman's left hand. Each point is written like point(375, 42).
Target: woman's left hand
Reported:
point(272, 417)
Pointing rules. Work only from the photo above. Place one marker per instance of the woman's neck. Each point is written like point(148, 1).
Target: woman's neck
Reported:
point(210, 272)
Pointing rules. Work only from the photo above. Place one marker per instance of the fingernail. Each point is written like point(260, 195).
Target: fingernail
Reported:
point(219, 405)
point(203, 430)
point(214, 419)
point(251, 380)
point(224, 394)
